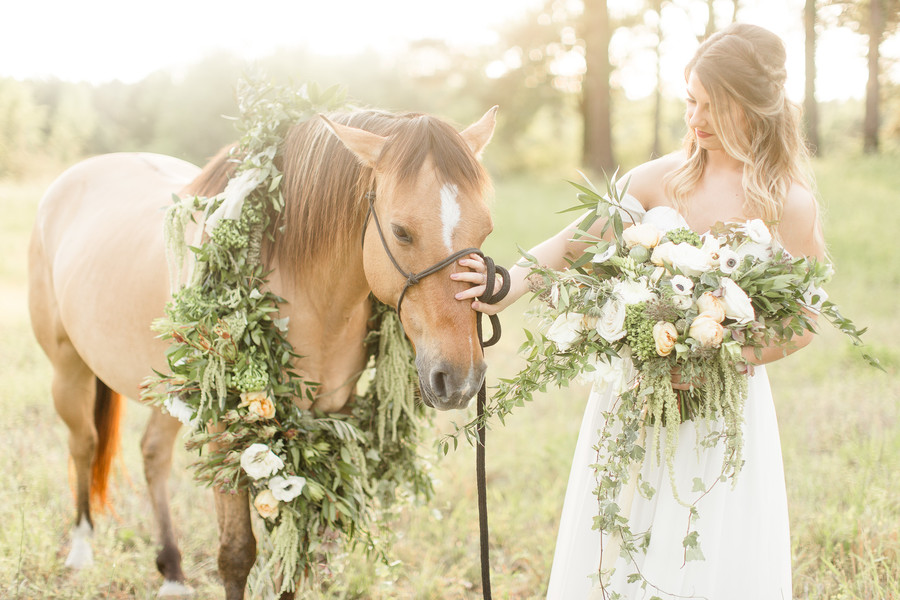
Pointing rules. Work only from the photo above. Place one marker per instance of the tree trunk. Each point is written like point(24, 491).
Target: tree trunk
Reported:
point(811, 107)
point(597, 152)
point(710, 20)
point(876, 32)
point(656, 149)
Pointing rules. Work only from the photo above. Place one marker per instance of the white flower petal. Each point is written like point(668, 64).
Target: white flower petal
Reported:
point(259, 462)
point(287, 488)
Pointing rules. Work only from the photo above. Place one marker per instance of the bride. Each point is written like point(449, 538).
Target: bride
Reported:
point(743, 158)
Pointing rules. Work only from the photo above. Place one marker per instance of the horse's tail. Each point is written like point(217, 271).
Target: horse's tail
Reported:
point(109, 408)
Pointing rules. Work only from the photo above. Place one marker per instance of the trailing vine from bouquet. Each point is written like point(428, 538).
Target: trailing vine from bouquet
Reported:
point(639, 304)
point(312, 477)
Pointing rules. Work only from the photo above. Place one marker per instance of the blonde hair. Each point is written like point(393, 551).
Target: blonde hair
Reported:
point(742, 68)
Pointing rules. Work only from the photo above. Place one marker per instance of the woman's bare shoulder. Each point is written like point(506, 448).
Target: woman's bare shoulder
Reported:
point(646, 182)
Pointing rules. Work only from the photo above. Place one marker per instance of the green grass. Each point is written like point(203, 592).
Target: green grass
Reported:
point(838, 420)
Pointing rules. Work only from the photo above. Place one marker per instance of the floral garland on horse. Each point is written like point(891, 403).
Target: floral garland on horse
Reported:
point(312, 477)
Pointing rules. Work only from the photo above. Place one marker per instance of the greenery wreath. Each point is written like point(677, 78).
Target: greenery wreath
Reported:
point(313, 477)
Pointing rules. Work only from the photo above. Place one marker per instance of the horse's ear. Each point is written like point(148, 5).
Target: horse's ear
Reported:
point(477, 135)
point(364, 144)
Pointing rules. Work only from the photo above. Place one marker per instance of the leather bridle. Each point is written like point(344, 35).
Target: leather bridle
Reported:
point(488, 297)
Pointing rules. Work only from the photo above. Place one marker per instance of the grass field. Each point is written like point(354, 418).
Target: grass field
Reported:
point(838, 421)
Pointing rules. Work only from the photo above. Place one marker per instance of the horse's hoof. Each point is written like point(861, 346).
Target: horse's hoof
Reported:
point(81, 556)
point(173, 589)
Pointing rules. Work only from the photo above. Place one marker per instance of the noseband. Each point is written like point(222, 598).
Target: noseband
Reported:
point(412, 278)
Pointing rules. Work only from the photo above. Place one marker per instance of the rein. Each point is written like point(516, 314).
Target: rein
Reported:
point(488, 297)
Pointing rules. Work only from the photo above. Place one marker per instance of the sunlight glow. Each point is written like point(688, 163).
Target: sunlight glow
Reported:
point(102, 40)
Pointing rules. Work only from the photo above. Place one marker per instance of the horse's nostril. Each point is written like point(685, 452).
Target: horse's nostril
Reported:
point(439, 383)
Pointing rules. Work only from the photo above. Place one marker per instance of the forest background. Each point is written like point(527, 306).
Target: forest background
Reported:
point(562, 73)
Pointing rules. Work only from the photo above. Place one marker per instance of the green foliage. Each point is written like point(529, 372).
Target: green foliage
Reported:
point(582, 304)
point(839, 424)
point(232, 378)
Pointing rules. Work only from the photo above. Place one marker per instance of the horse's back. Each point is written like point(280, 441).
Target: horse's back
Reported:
point(98, 274)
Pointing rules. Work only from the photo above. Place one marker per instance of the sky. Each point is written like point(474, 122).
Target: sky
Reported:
point(103, 40)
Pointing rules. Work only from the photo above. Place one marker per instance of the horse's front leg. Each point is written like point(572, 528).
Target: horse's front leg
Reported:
point(237, 546)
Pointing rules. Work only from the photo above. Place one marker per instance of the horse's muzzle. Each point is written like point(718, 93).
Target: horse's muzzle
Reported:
point(447, 388)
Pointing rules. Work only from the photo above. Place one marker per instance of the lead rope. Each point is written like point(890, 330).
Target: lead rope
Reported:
point(489, 297)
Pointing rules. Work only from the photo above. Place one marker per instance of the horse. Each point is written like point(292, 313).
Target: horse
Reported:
point(98, 278)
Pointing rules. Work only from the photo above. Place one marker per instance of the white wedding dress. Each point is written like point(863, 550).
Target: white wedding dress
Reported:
point(743, 529)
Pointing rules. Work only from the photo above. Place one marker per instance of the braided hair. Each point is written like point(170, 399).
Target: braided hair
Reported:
point(742, 68)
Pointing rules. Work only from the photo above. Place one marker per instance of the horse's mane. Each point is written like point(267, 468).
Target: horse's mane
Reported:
point(324, 184)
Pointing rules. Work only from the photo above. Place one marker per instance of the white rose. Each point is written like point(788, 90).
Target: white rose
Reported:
point(287, 488)
point(757, 231)
point(643, 234)
point(682, 285)
point(707, 331)
point(711, 306)
point(266, 504)
point(179, 409)
point(736, 302)
point(660, 256)
point(633, 291)
point(565, 330)
point(260, 462)
point(611, 324)
point(728, 260)
point(688, 259)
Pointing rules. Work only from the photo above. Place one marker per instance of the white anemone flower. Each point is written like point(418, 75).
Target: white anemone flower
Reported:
point(682, 285)
point(758, 232)
point(260, 462)
point(728, 260)
point(287, 488)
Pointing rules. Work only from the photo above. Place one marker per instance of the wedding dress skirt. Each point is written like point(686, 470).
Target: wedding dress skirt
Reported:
point(743, 528)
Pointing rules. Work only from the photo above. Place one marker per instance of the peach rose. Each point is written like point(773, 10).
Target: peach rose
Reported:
point(712, 306)
point(259, 404)
point(665, 335)
point(266, 504)
point(707, 331)
point(643, 234)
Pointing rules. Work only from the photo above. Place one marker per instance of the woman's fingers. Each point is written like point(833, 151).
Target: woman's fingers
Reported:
point(477, 278)
point(488, 309)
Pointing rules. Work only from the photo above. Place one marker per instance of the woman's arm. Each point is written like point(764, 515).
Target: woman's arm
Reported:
point(644, 183)
point(801, 233)
point(554, 252)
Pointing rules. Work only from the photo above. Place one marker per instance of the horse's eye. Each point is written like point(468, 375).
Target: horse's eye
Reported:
point(401, 234)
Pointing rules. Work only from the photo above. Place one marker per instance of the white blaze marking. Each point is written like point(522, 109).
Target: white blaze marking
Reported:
point(450, 213)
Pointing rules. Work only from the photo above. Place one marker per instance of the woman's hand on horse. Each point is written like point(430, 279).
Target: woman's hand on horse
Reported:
point(477, 277)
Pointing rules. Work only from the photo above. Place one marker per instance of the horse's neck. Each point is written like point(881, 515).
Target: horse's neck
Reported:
point(328, 309)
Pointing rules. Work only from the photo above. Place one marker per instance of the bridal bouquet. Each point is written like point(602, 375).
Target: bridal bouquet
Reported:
point(649, 301)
